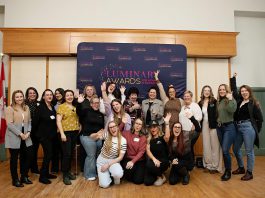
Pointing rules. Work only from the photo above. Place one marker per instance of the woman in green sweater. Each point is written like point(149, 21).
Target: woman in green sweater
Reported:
point(226, 131)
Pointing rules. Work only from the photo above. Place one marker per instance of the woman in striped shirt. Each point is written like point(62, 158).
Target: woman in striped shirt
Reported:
point(112, 152)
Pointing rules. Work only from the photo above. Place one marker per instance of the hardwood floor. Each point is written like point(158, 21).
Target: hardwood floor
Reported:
point(201, 185)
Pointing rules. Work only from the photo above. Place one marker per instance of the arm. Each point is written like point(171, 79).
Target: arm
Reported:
point(60, 127)
point(234, 87)
point(141, 151)
point(258, 117)
point(151, 156)
point(128, 123)
point(195, 123)
point(104, 93)
point(162, 92)
point(167, 130)
point(9, 116)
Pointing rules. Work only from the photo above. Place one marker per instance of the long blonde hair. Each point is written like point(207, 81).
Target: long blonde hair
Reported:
point(109, 139)
point(13, 104)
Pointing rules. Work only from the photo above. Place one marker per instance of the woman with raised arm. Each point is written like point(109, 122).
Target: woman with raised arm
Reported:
point(212, 152)
point(226, 131)
point(68, 125)
point(249, 118)
point(134, 160)
point(157, 153)
point(31, 99)
point(17, 138)
point(112, 152)
point(115, 111)
point(44, 124)
point(171, 102)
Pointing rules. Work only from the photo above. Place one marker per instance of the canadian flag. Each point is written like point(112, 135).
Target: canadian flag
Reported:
point(2, 104)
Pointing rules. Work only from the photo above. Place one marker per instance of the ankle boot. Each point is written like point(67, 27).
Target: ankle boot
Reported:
point(227, 175)
point(66, 179)
point(25, 180)
point(239, 170)
point(17, 183)
point(247, 176)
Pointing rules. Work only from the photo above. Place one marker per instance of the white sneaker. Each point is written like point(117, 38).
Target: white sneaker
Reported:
point(160, 181)
point(117, 180)
point(91, 178)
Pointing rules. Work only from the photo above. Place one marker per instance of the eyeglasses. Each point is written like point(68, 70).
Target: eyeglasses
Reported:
point(177, 127)
point(111, 127)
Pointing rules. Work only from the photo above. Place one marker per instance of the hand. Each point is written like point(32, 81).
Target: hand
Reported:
point(27, 135)
point(129, 165)
point(104, 167)
point(80, 98)
point(156, 162)
point(63, 137)
point(100, 133)
point(167, 118)
point(103, 87)
point(76, 93)
point(136, 106)
point(23, 136)
point(175, 161)
point(124, 119)
point(235, 74)
point(122, 89)
point(156, 74)
point(188, 114)
point(229, 96)
point(193, 127)
point(154, 112)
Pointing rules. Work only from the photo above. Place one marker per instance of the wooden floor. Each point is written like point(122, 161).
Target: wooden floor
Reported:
point(201, 185)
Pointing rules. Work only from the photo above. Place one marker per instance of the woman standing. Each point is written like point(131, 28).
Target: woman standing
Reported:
point(68, 125)
point(171, 102)
point(157, 152)
point(112, 152)
point(180, 156)
point(31, 99)
point(248, 117)
point(226, 131)
point(92, 129)
point(17, 138)
point(134, 160)
point(212, 152)
point(44, 124)
point(59, 96)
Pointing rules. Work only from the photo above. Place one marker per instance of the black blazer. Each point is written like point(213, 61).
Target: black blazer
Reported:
point(44, 122)
point(255, 113)
point(212, 114)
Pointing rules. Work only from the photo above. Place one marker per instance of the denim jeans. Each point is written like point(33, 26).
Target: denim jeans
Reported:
point(92, 148)
point(246, 134)
point(226, 135)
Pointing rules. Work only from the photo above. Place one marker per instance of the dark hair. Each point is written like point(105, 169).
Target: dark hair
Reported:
point(116, 93)
point(132, 90)
point(42, 100)
point(153, 87)
point(180, 140)
point(171, 87)
point(27, 93)
point(69, 90)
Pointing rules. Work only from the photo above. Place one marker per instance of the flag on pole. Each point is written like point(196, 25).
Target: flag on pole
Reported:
point(2, 105)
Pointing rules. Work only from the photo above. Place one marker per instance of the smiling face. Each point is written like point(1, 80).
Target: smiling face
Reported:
point(19, 98)
point(171, 93)
point(138, 124)
point(95, 104)
point(58, 95)
point(69, 97)
point(222, 91)
point(32, 95)
point(152, 94)
point(176, 129)
point(111, 87)
point(154, 130)
point(187, 98)
point(89, 91)
point(116, 106)
point(244, 93)
point(113, 129)
point(133, 97)
point(206, 92)
point(48, 96)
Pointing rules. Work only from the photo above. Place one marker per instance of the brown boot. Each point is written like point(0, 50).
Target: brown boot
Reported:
point(247, 176)
point(240, 170)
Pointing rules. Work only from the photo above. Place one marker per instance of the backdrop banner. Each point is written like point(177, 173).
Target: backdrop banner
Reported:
point(131, 64)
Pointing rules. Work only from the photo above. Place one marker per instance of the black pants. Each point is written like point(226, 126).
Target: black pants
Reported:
point(68, 148)
point(56, 153)
point(47, 146)
point(35, 147)
point(136, 174)
point(176, 173)
point(152, 172)
point(25, 156)
point(194, 139)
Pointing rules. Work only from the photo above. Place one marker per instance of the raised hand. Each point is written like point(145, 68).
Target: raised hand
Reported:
point(229, 96)
point(103, 86)
point(124, 119)
point(235, 74)
point(156, 74)
point(122, 89)
point(167, 118)
point(80, 98)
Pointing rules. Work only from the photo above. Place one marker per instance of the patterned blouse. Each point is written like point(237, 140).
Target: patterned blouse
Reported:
point(69, 117)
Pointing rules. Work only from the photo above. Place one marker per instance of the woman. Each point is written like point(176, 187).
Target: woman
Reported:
point(31, 99)
point(92, 129)
point(171, 102)
point(212, 152)
point(132, 106)
point(68, 125)
point(59, 96)
point(44, 124)
point(180, 156)
point(17, 138)
point(115, 112)
point(153, 109)
point(114, 93)
point(157, 152)
point(226, 131)
point(248, 117)
point(134, 161)
point(190, 113)
point(111, 154)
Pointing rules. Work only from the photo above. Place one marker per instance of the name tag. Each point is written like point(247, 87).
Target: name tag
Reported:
point(136, 139)
point(52, 117)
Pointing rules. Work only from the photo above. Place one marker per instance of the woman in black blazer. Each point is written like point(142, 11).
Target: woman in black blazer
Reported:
point(45, 127)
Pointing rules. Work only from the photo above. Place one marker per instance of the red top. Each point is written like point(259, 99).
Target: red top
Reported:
point(136, 146)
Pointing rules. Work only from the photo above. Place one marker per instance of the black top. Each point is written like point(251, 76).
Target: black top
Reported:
point(159, 149)
point(212, 114)
point(92, 121)
point(242, 112)
point(44, 122)
point(148, 114)
point(32, 107)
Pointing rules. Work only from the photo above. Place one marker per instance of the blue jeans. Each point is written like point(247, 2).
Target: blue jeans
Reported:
point(92, 148)
point(246, 134)
point(226, 135)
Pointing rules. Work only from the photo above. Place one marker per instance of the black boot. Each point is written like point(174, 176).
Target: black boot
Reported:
point(66, 179)
point(227, 175)
point(17, 183)
point(71, 176)
point(25, 180)
point(44, 180)
point(186, 179)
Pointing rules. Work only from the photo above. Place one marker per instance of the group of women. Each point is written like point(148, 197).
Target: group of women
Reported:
point(125, 138)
